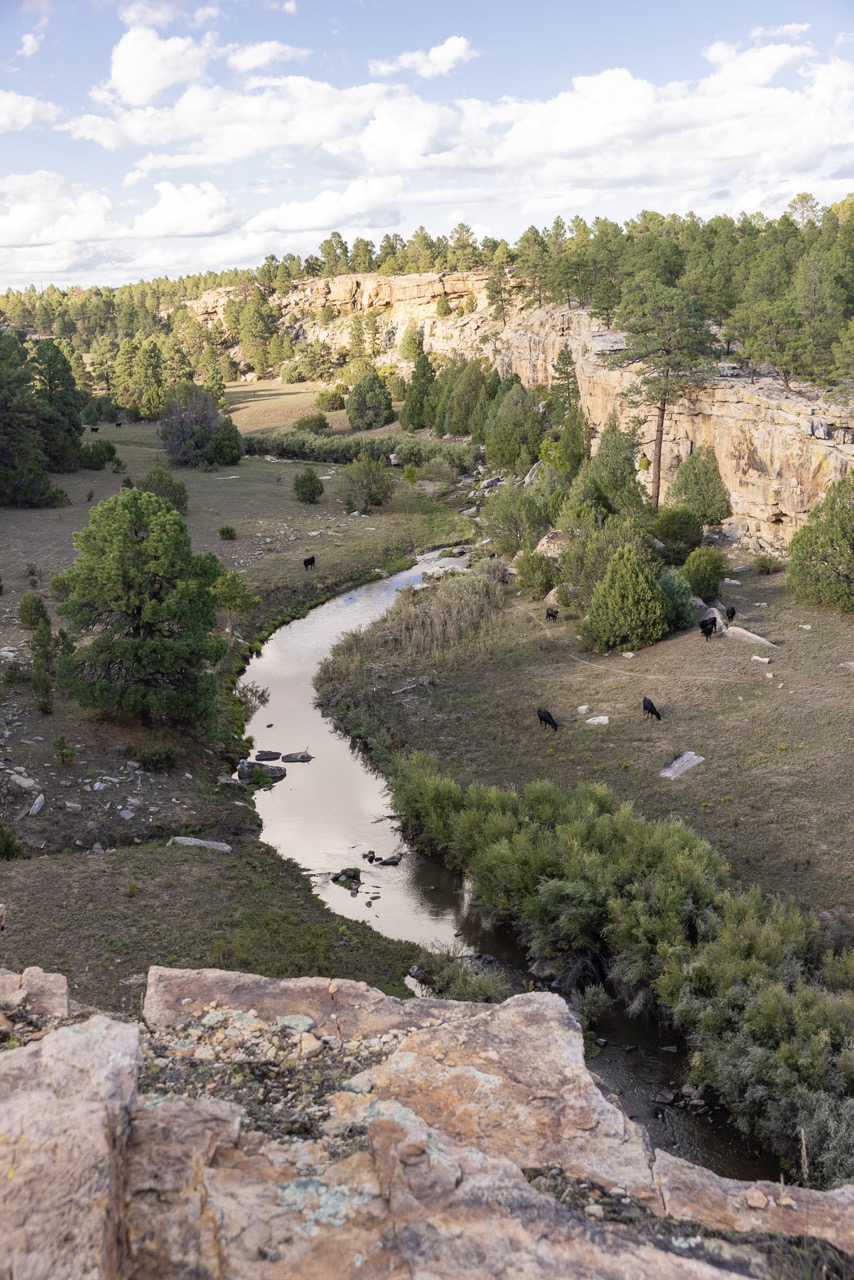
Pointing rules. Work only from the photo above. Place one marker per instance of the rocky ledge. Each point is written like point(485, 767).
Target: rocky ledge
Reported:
point(253, 1128)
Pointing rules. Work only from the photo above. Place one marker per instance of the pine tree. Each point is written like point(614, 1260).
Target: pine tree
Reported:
point(628, 609)
point(416, 408)
point(137, 584)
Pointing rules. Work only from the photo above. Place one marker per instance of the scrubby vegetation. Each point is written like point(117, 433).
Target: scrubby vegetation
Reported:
point(763, 991)
point(821, 555)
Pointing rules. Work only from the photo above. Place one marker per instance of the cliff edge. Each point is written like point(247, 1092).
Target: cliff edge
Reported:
point(248, 1127)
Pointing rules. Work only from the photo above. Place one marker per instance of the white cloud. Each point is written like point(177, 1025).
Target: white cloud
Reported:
point(42, 209)
point(193, 209)
point(30, 44)
point(365, 201)
point(20, 112)
point(290, 6)
point(254, 56)
point(143, 64)
point(788, 31)
point(150, 13)
point(438, 61)
point(205, 14)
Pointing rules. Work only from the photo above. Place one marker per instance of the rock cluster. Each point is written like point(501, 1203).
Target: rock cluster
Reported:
point(254, 1128)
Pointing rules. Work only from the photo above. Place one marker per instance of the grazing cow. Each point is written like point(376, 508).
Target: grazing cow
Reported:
point(94, 430)
point(546, 718)
point(2, 917)
point(308, 562)
point(730, 613)
point(551, 615)
point(650, 709)
point(707, 626)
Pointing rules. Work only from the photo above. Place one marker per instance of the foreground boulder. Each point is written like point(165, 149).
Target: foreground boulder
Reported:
point(314, 1128)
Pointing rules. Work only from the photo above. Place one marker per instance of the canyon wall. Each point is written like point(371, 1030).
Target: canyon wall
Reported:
point(777, 451)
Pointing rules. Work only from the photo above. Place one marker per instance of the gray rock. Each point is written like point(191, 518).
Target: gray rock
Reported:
point(297, 757)
point(37, 805)
point(194, 842)
point(268, 755)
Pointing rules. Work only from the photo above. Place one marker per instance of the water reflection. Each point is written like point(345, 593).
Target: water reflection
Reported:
point(329, 812)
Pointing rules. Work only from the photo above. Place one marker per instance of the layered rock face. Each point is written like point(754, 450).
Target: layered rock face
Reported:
point(777, 452)
point(374, 1137)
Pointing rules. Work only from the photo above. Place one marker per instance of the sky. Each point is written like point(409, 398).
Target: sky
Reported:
point(143, 138)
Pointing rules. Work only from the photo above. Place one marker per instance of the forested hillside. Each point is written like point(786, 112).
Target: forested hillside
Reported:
point(772, 293)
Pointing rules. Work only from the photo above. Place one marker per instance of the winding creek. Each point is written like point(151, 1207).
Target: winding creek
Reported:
point(327, 813)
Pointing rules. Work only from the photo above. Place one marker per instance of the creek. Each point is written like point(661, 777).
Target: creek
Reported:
point(330, 811)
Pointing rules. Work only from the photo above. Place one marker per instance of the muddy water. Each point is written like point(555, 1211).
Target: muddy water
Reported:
point(326, 814)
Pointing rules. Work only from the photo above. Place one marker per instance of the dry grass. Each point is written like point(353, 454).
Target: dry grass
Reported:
point(773, 792)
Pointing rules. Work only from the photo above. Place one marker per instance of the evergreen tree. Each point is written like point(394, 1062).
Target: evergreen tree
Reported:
point(698, 486)
point(613, 466)
point(138, 586)
point(416, 407)
point(58, 406)
point(821, 563)
point(666, 333)
point(628, 608)
point(369, 404)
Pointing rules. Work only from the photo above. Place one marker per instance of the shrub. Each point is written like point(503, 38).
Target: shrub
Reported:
point(443, 306)
point(369, 403)
point(227, 448)
point(698, 486)
point(157, 757)
point(32, 610)
point(411, 344)
point(453, 976)
point(589, 549)
point(367, 483)
point(290, 372)
point(513, 517)
point(704, 569)
point(397, 386)
point(767, 564)
point(64, 750)
point(227, 532)
point(677, 589)
point(308, 485)
point(821, 554)
point(536, 573)
point(317, 423)
point(327, 314)
point(10, 845)
point(330, 400)
point(409, 473)
point(628, 609)
point(94, 456)
point(161, 482)
point(680, 530)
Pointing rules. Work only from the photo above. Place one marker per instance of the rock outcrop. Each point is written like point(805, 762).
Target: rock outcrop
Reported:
point(253, 1128)
point(777, 451)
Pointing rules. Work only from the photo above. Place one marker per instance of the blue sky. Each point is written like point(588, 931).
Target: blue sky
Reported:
point(161, 137)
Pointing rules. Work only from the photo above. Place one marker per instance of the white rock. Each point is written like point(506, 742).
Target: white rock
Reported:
point(805, 626)
point(756, 658)
point(681, 764)
point(597, 720)
point(200, 844)
point(582, 711)
point(21, 780)
point(731, 582)
point(37, 805)
point(628, 654)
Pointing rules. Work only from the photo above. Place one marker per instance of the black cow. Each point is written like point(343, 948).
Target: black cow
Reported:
point(551, 615)
point(707, 626)
point(308, 562)
point(650, 709)
point(546, 718)
point(94, 430)
point(730, 613)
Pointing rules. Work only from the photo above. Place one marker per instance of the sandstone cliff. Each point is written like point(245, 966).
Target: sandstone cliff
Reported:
point(257, 1130)
point(777, 452)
